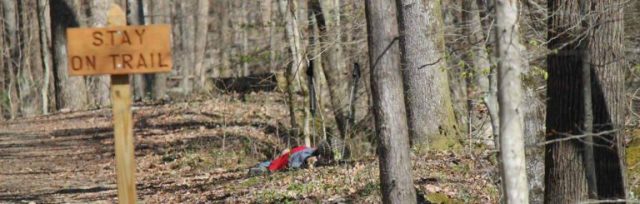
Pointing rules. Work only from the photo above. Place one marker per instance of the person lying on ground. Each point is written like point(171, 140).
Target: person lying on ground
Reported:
point(298, 157)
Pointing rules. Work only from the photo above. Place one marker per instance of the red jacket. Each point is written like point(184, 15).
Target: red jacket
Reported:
point(282, 161)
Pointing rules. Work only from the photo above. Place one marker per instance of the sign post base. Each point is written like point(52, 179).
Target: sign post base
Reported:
point(123, 138)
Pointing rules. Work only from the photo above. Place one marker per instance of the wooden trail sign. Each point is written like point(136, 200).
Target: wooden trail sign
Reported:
point(120, 50)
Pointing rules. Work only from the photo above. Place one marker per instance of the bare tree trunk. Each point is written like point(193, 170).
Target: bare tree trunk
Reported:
point(388, 103)
point(187, 34)
point(12, 60)
point(244, 26)
point(200, 41)
point(425, 76)
point(272, 35)
point(479, 60)
point(606, 51)
point(225, 39)
point(3, 54)
point(566, 179)
point(320, 89)
point(71, 92)
point(135, 16)
point(160, 12)
point(510, 95)
point(587, 97)
point(335, 69)
point(43, 14)
point(287, 9)
point(29, 68)
point(99, 85)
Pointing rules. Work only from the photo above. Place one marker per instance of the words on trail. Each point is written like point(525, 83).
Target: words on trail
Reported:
point(119, 50)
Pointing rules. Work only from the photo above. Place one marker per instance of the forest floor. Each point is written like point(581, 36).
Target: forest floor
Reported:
point(200, 152)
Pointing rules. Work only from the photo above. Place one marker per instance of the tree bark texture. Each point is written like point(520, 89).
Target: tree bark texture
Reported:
point(200, 40)
point(135, 16)
point(71, 92)
point(510, 95)
point(388, 103)
point(478, 56)
point(226, 40)
point(99, 85)
point(565, 175)
point(244, 30)
point(295, 68)
point(333, 64)
point(424, 73)
point(186, 24)
point(159, 12)
point(3, 53)
point(29, 70)
point(480, 64)
point(45, 49)
point(11, 60)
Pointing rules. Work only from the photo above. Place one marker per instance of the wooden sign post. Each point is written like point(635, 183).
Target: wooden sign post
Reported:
point(120, 50)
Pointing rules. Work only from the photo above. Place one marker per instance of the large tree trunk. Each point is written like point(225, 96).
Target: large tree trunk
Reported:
point(71, 92)
point(201, 30)
point(99, 85)
point(186, 24)
point(510, 97)
point(335, 70)
point(607, 61)
point(565, 173)
point(388, 103)
point(135, 16)
point(159, 12)
point(425, 76)
point(29, 73)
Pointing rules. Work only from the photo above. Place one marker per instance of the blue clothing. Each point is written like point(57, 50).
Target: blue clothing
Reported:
point(264, 164)
point(296, 160)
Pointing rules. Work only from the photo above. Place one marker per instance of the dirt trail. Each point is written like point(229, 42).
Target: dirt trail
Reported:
point(41, 160)
point(69, 157)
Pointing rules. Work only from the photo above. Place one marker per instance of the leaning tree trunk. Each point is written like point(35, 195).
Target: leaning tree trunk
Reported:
point(71, 92)
point(510, 95)
point(388, 103)
point(565, 173)
point(425, 77)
